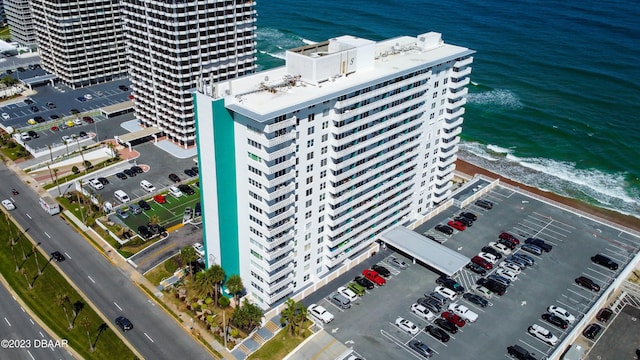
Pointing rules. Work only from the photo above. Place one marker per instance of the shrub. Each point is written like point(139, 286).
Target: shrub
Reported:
point(234, 333)
point(224, 302)
point(75, 170)
point(208, 301)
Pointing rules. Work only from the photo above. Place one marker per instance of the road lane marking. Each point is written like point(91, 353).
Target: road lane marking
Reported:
point(41, 334)
point(67, 255)
point(47, 235)
point(29, 216)
point(148, 337)
point(117, 306)
point(5, 319)
point(29, 352)
point(93, 281)
point(32, 323)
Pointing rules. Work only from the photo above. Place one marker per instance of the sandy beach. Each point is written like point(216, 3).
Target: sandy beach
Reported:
point(618, 218)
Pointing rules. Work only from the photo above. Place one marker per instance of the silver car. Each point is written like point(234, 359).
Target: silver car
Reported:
point(397, 263)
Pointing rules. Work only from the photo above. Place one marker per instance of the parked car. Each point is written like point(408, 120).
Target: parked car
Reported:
point(469, 215)
point(604, 315)
point(463, 220)
point(508, 244)
point(320, 313)
point(431, 304)
point(104, 181)
point(492, 285)
point(506, 273)
point(463, 312)
point(438, 240)
point(397, 263)
point(364, 282)
point(129, 172)
point(587, 283)
point(145, 232)
point(190, 173)
point(485, 204)
point(446, 292)
point(340, 301)
point(137, 169)
point(453, 318)
point(122, 212)
point(348, 294)
point(123, 87)
point(144, 205)
point(516, 261)
point(421, 348)
point(356, 288)
point(456, 225)
point(555, 320)
point(444, 324)
point(124, 323)
point(513, 267)
point(407, 326)
point(33, 134)
point(199, 248)
point(444, 229)
point(475, 299)
point(604, 261)
point(492, 251)
point(437, 333)
point(381, 270)
point(121, 176)
point(476, 268)
point(436, 297)
point(492, 259)
point(501, 248)
point(532, 249)
point(195, 169)
point(422, 312)
point(519, 353)
point(186, 189)
point(160, 199)
point(543, 334)
point(174, 178)
point(500, 279)
point(526, 258)
point(539, 243)
point(561, 313)
point(450, 284)
point(174, 191)
point(188, 213)
point(508, 237)
point(374, 276)
point(94, 183)
point(592, 331)
point(481, 262)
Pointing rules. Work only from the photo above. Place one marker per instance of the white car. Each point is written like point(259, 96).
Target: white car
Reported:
point(175, 191)
point(543, 334)
point(463, 312)
point(561, 313)
point(77, 122)
point(489, 257)
point(88, 96)
point(482, 291)
point(320, 313)
point(507, 274)
point(198, 248)
point(407, 326)
point(423, 312)
point(66, 139)
point(500, 247)
point(348, 293)
point(8, 204)
point(6, 116)
point(511, 267)
point(446, 292)
point(94, 183)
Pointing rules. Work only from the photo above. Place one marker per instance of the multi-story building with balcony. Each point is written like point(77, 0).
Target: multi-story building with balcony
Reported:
point(304, 165)
point(172, 44)
point(20, 20)
point(80, 41)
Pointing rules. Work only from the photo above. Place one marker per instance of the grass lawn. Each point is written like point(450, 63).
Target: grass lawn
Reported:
point(42, 298)
point(279, 346)
point(5, 34)
point(161, 272)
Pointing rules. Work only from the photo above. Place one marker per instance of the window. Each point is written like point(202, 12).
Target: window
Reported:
point(310, 143)
point(312, 117)
point(321, 218)
point(433, 105)
point(307, 258)
point(435, 94)
point(255, 157)
point(323, 162)
point(254, 144)
point(446, 80)
point(436, 84)
point(309, 192)
point(310, 168)
point(325, 124)
point(310, 130)
point(306, 277)
point(320, 229)
point(309, 180)
point(308, 203)
point(310, 155)
point(307, 237)
point(444, 91)
point(323, 185)
point(255, 183)
point(323, 150)
point(325, 137)
point(323, 173)
point(307, 215)
point(321, 208)
point(322, 196)
point(254, 170)
point(320, 239)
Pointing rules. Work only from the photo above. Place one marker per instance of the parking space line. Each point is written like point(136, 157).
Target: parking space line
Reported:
point(565, 305)
point(579, 294)
point(607, 275)
point(617, 256)
point(533, 347)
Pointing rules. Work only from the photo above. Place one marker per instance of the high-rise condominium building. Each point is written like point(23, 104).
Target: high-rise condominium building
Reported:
point(20, 22)
point(304, 165)
point(80, 41)
point(173, 43)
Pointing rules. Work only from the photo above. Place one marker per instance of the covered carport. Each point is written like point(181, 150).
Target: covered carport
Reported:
point(139, 136)
point(122, 108)
point(39, 80)
point(424, 250)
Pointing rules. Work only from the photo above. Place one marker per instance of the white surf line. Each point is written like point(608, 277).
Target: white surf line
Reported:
point(118, 306)
point(149, 337)
point(47, 235)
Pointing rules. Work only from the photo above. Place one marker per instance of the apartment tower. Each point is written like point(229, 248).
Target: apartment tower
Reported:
point(20, 21)
point(171, 44)
point(304, 165)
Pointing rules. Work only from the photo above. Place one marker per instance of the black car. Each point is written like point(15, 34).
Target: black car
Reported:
point(450, 283)
point(51, 105)
point(466, 221)
point(592, 331)
point(137, 169)
point(35, 108)
point(195, 169)
point(444, 324)
point(186, 189)
point(496, 287)
point(197, 210)
point(190, 173)
point(437, 333)
point(39, 119)
point(539, 243)
point(520, 353)
point(103, 181)
point(144, 231)
point(444, 229)
point(57, 256)
point(124, 323)
point(421, 348)
point(555, 321)
point(82, 134)
point(485, 204)
point(123, 87)
point(33, 134)
point(604, 315)
point(492, 251)
point(507, 243)
point(476, 268)
point(381, 270)
point(54, 117)
point(21, 69)
point(144, 205)
point(28, 101)
point(587, 283)
point(129, 172)
point(476, 299)
point(74, 111)
point(431, 304)
point(470, 216)
point(174, 178)
point(121, 176)
point(364, 282)
point(156, 228)
point(602, 260)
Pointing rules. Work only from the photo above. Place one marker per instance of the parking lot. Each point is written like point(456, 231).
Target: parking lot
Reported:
point(369, 325)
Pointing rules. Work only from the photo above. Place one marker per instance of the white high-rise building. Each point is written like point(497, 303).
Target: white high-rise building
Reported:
point(20, 22)
point(304, 165)
point(171, 44)
point(80, 41)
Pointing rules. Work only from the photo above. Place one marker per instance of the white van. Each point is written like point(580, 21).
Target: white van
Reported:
point(147, 186)
point(121, 196)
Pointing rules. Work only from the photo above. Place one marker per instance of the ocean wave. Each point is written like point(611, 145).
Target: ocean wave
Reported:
point(608, 190)
point(499, 149)
point(275, 43)
point(496, 97)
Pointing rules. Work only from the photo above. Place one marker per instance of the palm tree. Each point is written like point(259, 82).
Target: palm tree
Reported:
point(301, 312)
point(218, 275)
point(188, 255)
point(86, 324)
point(55, 172)
point(62, 299)
point(154, 219)
point(204, 284)
point(23, 271)
point(288, 316)
point(34, 250)
point(235, 286)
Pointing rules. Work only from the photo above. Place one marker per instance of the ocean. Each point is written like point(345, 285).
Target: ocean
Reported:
point(555, 90)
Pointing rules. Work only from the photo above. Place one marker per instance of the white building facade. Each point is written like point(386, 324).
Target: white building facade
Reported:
point(81, 41)
point(304, 165)
point(20, 21)
point(173, 43)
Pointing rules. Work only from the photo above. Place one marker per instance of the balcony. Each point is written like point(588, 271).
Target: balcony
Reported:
point(456, 103)
point(280, 125)
point(456, 84)
point(279, 285)
point(463, 62)
point(448, 160)
point(281, 189)
point(284, 270)
point(271, 299)
point(451, 124)
point(459, 72)
point(276, 265)
point(287, 214)
point(270, 255)
point(452, 149)
point(271, 156)
point(272, 242)
point(280, 179)
point(450, 114)
point(443, 180)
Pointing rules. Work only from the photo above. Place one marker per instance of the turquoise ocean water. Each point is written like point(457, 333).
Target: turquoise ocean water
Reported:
point(555, 95)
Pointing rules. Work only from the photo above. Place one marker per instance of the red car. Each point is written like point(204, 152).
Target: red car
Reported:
point(88, 119)
point(456, 225)
point(453, 318)
point(510, 238)
point(160, 199)
point(374, 276)
point(482, 262)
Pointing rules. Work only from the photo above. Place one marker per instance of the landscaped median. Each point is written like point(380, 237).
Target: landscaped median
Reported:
point(53, 300)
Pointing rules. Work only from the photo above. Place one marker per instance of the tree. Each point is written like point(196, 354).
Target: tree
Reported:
point(86, 324)
point(188, 255)
point(23, 271)
point(301, 312)
point(218, 276)
point(62, 299)
point(155, 219)
point(247, 316)
point(208, 282)
point(34, 250)
point(235, 286)
point(288, 316)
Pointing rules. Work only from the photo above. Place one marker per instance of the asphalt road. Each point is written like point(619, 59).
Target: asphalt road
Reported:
point(155, 335)
point(22, 338)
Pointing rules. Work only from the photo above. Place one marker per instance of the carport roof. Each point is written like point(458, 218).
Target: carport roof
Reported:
point(107, 110)
point(424, 249)
point(151, 130)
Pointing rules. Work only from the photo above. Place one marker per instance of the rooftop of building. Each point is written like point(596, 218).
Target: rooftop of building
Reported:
point(318, 72)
